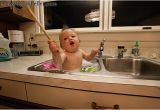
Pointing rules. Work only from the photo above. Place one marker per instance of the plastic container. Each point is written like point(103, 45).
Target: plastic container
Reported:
point(5, 52)
point(16, 36)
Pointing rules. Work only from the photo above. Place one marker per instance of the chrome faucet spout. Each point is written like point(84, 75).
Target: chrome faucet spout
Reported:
point(101, 48)
point(135, 52)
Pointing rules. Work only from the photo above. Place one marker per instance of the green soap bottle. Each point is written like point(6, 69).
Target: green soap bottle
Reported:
point(5, 52)
point(136, 45)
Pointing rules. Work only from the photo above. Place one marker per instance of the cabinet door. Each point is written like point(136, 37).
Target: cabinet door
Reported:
point(78, 99)
point(12, 89)
point(20, 8)
point(4, 4)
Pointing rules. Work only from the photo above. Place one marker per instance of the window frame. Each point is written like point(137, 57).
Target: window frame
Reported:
point(105, 21)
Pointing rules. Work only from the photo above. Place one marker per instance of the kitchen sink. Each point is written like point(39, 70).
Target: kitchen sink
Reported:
point(138, 68)
point(50, 66)
point(119, 65)
point(47, 66)
point(133, 67)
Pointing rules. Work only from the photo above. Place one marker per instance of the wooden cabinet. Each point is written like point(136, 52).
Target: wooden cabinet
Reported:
point(16, 11)
point(12, 13)
point(79, 99)
point(21, 9)
point(4, 4)
point(13, 89)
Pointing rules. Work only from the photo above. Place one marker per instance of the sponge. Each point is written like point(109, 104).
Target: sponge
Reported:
point(88, 69)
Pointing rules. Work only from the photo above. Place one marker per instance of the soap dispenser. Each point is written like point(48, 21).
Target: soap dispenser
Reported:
point(135, 50)
point(5, 52)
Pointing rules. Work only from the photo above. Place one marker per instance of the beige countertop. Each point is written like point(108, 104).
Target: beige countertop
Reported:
point(16, 69)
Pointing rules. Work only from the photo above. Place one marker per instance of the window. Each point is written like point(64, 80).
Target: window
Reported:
point(101, 15)
point(126, 15)
point(78, 14)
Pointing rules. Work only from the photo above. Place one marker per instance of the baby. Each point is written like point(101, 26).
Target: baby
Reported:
point(71, 57)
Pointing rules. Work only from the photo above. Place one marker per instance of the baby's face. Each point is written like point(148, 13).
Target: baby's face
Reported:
point(69, 40)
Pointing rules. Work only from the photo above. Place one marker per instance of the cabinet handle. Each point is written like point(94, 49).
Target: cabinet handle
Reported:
point(0, 87)
point(95, 106)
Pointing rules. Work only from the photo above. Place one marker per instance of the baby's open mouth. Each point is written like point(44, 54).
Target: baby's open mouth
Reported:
point(71, 43)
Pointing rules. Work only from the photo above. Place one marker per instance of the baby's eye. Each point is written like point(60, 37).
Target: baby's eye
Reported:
point(73, 36)
point(65, 38)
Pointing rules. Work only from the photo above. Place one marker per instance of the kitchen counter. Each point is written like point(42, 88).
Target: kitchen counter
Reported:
point(16, 69)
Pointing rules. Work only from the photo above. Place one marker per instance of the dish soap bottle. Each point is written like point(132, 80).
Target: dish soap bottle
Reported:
point(5, 52)
point(135, 50)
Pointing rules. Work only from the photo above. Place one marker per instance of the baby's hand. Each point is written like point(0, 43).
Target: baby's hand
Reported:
point(94, 51)
point(53, 46)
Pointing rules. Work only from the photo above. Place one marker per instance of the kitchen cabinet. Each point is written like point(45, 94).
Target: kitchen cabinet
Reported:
point(13, 89)
point(82, 99)
point(16, 11)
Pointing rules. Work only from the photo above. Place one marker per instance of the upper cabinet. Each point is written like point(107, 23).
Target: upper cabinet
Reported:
point(101, 15)
point(16, 11)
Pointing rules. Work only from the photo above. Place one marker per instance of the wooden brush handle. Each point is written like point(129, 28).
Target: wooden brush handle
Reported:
point(30, 11)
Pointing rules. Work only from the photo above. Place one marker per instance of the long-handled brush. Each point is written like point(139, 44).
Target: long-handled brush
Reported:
point(46, 34)
point(33, 15)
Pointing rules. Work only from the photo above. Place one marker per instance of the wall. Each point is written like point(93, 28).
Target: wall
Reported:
point(149, 41)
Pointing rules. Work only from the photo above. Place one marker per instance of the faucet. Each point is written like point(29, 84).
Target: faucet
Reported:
point(101, 48)
point(135, 52)
point(121, 50)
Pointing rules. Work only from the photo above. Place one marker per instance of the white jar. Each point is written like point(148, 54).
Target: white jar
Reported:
point(5, 52)
point(16, 36)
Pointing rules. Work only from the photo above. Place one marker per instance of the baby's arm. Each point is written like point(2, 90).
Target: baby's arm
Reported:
point(90, 56)
point(57, 55)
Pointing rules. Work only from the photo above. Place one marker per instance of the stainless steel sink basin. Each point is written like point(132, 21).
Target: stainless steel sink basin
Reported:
point(118, 64)
point(137, 68)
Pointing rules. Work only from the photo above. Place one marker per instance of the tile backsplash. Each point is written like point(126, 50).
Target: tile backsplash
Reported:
point(149, 41)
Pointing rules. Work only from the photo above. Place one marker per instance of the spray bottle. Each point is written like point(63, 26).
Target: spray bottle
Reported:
point(135, 50)
point(5, 52)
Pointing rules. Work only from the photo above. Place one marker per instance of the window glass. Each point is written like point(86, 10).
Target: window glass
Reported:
point(75, 14)
point(135, 13)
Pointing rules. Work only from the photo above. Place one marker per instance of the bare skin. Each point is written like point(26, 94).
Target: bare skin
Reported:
point(71, 57)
